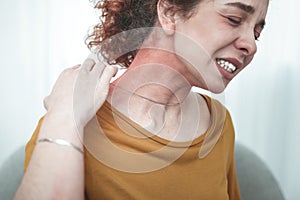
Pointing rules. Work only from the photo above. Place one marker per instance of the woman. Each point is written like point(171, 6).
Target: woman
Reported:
point(152, 137)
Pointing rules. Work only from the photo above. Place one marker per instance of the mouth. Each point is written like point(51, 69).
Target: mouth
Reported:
point(228, 67)
point(225, 64)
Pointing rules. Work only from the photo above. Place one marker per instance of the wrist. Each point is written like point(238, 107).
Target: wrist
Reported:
point(61, 142)
point(61, 126)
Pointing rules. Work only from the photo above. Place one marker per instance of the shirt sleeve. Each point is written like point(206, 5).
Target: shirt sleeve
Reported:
point(233, 186)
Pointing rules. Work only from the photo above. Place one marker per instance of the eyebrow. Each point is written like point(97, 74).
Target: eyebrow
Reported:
point(248, 9)
point(262, 24)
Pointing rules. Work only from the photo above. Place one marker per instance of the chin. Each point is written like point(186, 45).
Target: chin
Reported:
point(217, 91)
point(215, 88)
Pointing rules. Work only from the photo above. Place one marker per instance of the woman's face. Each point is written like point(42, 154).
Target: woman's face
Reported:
point(223, 35)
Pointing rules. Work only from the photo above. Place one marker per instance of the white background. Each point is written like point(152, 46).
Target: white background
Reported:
point(40, 38)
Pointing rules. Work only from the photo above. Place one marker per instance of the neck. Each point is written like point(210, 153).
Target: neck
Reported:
point(153, 80)
point(155, 93)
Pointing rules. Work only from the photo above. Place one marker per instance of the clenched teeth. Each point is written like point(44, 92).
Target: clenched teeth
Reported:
point(226, 65)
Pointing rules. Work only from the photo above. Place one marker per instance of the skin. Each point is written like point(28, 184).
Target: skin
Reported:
point(233, 35)
point(57, 172)
point(213, 27)
point(200, 44)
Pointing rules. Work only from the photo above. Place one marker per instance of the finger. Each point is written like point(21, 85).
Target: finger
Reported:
point(94, 57)
point(46, 102)
point(70, 69)
point(98, 69)
point(88, 64)
point(116, 71)
point(76, 67)
point(107, 74)
point(103, 85)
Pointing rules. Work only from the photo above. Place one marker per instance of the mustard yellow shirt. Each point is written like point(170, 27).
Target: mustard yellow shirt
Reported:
point(125, 161)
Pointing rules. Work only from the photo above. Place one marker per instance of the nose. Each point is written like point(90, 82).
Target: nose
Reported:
point(246, 43)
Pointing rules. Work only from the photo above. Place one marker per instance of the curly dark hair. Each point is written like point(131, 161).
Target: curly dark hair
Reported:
point(119, 16)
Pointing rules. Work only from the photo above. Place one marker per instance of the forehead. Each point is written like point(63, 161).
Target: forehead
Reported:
point(251, 6)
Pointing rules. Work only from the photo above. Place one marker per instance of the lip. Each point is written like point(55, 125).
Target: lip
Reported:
point(234, 61)
point(225, 73)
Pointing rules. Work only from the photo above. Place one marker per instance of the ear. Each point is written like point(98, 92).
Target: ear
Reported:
point(166, 16)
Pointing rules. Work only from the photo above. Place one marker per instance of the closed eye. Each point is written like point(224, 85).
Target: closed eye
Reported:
point(235, 21)
point(257, 31)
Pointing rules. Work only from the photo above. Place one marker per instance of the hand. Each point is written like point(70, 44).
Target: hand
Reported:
point(80, 91)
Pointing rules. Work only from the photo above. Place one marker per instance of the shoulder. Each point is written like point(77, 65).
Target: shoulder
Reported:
point(220, 116)
point(216, 107)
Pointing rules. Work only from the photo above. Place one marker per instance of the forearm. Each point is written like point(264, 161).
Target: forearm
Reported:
point(55, 171)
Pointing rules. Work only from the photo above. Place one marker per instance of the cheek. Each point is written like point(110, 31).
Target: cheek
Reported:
point(189, 41)
point(192, 50)
point(213, 39)
point(248, 60)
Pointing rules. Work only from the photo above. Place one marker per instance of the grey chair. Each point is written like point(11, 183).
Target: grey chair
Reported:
point(255, 179)
point(11, 173)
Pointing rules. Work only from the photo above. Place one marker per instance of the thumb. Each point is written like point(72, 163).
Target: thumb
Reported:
point(102, 87)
